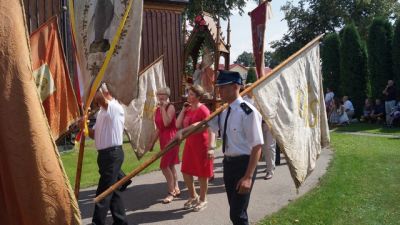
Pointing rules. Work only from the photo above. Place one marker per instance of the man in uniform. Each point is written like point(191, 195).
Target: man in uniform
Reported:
point(108, 137)
point(240, 126)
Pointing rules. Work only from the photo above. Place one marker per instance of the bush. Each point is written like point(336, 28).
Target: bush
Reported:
point(396, 54)
point(353, 67)
point(251, 75)
point(379, 55)
point(330, 56)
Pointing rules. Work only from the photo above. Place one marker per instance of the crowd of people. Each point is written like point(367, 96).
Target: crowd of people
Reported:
point(386, 111)
point(244, 136)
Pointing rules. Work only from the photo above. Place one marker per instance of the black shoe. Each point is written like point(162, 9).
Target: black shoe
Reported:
point(125, 185)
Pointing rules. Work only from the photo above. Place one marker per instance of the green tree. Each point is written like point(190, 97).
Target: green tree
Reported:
point(245, 59)
point(379, 44)
point(221, 8)
point(330, 55)
point(269, 59)
point(309, 18)
point(251, 75)
point(353, 67)
point(396, 54)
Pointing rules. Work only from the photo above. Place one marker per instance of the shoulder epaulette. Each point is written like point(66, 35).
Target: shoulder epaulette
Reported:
point(246, 108)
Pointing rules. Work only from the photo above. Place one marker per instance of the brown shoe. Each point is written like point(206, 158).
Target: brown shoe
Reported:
point(177, 192)
point(191, 202)
point(200, 206)
point(169, 198)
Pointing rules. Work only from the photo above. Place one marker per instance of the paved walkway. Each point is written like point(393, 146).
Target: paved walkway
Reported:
point(143, 198)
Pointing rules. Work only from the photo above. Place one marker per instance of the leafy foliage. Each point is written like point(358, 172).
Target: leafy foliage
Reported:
point(353, 67)
point(245, 59)
point(330, 55)
point(396, 54)
point(251, 75)
point(379, 55)
point(270, 60)
point(221, 8)
point(309, 18)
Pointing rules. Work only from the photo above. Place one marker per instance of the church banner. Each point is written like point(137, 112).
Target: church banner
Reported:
point(139, 115)
point(96, 25)
point(258, 22)
point(52, 78)
point(292, 103)
point(34, 188)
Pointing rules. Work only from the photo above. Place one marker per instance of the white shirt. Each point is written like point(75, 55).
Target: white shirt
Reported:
point(329, 97)
point(109, 126)
point(348, 106)
point(248, 99)
point(243, 130)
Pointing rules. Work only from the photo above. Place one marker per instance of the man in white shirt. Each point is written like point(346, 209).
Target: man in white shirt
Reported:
point(348, 107)
point(240, 126)
point(108, 137)
point(329, 97)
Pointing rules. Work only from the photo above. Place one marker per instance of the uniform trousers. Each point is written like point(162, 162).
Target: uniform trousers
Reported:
point(234, 169)
point(109, 161)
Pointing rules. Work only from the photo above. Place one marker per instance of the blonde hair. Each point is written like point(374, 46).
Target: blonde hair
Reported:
point(198, 90)
point(164, 90)
point(103, 88)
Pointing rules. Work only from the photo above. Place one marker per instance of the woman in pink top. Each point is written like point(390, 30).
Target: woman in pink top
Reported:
point(196, 160)
point(165, 121)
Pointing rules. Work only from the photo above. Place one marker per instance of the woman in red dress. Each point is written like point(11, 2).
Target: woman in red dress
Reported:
point(165, 121)
point(195, 160)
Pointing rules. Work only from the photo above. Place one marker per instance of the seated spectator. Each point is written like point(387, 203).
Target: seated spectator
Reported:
point(390, 98)
point(394, 115)
point(328, 98)
point(378, 113)
point(348, 107)
point(337, 115)
point(368, 108)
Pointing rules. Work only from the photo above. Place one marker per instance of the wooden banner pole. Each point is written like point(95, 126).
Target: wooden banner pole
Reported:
point(79, 165)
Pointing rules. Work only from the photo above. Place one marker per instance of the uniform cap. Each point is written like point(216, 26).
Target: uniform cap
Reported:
point(228, 77)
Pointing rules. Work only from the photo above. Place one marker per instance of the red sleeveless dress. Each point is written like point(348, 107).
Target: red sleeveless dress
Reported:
point(195, 160)
point(165, 134)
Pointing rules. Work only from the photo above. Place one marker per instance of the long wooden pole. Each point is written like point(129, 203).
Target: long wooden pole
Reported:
point(172, 144)
point(79, 167)
point(199, 126)
point(281, 65)
point(152, 64)
point(80, 160)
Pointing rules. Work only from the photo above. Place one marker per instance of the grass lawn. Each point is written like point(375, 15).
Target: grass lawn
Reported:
point(362, 186)
point(90, 175)
point(369, 128)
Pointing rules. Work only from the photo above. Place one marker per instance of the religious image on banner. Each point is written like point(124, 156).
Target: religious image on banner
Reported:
point(139, 115)
point(258, 22)
point(52, 78)
point(291, 102)
point(96, 26)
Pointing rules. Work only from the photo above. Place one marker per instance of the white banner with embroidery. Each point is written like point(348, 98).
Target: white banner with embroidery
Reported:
point(96, 25)
point(292, 103)
point(139, 115)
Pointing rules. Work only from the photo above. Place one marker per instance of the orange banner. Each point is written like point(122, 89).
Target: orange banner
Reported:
point(52, 78)
point(34, 189)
